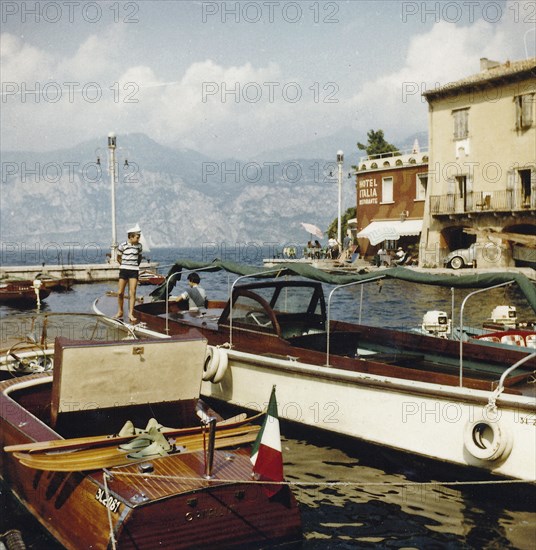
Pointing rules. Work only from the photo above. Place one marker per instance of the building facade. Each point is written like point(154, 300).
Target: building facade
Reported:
point(482, 165)
point(391, 191)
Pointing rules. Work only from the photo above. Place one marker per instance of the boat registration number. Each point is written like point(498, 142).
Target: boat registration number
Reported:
point(530, 420)
point(110, 502)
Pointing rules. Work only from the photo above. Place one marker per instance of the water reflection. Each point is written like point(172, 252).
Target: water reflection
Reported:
point(390, 500)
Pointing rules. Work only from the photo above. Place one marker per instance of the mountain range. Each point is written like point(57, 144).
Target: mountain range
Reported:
point(179, 197)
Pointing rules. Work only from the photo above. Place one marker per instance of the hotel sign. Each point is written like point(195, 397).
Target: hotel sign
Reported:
point(368, 191)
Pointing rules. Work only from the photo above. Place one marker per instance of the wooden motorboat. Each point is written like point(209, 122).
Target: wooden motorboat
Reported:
point(59, 284)
point(22, 293)
point(43, 281)
point(502, 329)
point(148, 277)
point(463, 403)
point(185, 485)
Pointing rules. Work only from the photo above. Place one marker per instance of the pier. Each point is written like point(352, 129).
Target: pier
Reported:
point(80, 273)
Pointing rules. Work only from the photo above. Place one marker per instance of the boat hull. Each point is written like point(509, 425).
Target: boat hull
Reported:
point(165, 503)
point(394, 399)
point(438, 422)
point(76, 509)
point(15, 295)
point(468, 404)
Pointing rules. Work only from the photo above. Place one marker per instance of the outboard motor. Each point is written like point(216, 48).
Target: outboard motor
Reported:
point(436, 323)
point(504, 315)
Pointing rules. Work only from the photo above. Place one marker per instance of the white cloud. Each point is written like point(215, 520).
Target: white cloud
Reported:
point(21, 62)
point(196, 106)
point(213, 103)
point(444, 54)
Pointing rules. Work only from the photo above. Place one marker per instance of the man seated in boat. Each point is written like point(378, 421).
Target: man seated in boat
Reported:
point(194, 294)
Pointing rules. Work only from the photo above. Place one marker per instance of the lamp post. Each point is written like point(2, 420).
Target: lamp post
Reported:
point(340, 160)
point(112, 144)
point(113, 170)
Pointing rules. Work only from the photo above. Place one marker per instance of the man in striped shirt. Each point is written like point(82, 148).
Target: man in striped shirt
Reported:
point(129, 258)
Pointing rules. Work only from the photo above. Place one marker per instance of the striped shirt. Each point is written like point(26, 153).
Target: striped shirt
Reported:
point(130, 255)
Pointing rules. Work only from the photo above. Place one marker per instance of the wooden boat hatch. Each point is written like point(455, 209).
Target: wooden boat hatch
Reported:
point(106, 376)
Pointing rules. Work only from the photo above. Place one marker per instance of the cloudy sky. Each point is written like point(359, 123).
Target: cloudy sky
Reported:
point(237, 78)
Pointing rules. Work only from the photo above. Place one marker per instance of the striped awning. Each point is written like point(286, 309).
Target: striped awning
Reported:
point(390, 230)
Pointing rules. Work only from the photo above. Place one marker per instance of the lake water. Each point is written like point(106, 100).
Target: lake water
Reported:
point(360, 496)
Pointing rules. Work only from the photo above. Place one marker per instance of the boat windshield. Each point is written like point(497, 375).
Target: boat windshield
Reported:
point(296, 300)
point(254, 306)
point(248, 311)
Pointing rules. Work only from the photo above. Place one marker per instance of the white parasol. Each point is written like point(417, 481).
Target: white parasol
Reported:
point(312, 229)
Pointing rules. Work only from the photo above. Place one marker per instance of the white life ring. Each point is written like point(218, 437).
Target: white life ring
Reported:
point(212, 361)
point(487, 440)
point(222, 367)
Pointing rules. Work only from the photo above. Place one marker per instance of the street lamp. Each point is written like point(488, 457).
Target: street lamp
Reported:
point(112, 144)
point(340, 160)
point(112, 167)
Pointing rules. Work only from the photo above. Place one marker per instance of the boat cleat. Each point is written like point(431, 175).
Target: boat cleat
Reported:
point(139, 498)
point(146, 467)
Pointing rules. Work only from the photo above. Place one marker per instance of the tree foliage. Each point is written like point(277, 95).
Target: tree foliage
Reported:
point(348, 215)
point(376, 144)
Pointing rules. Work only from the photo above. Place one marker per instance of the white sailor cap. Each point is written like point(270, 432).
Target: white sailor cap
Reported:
point(135, 229)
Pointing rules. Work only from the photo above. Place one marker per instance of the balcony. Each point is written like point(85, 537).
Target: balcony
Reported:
point(482, 202)
point(396, 159)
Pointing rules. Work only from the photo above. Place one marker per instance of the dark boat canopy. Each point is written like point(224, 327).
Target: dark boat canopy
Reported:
point(477, 280)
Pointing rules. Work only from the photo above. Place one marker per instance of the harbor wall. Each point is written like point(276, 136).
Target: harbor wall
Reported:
point(80, 273)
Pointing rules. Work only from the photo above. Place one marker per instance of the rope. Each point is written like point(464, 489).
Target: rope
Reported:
point(105, 476)
point(335, 483)
point(492, 402)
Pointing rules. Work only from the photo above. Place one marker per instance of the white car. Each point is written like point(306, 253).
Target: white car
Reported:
point(462, 257)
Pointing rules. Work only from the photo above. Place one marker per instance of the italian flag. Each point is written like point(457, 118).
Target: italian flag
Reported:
point(266, 455)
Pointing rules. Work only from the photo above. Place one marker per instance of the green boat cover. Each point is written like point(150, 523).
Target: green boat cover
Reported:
point(474, 281)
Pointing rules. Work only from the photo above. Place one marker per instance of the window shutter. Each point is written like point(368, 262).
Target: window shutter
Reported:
point(510, 181)
point(518, 111)
point(526, 110)
point(469, 184)
point(469, 189)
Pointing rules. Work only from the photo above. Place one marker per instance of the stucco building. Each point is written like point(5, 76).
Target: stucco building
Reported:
point(482, 165)
point(391, 190)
